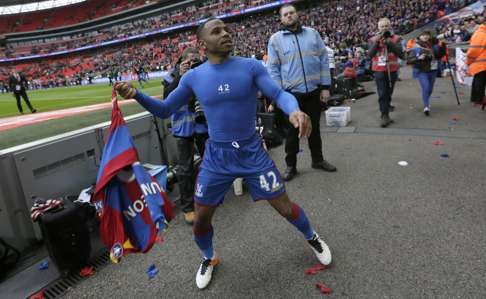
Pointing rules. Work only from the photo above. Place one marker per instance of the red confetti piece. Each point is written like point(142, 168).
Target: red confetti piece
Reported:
point(323, 288)
point(438, 142)
point(159, 239)
point(87, 272)
point(313, 270)
point(38, 295)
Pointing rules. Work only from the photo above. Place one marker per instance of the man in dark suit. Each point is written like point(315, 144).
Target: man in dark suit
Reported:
point(18, 84)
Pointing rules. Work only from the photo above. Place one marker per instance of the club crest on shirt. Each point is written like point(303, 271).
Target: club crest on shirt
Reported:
point(116, 252)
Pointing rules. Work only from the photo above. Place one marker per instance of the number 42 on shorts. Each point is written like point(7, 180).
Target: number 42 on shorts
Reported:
point(265, 181)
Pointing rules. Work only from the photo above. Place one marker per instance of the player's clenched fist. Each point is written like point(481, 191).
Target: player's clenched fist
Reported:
point(125, 90)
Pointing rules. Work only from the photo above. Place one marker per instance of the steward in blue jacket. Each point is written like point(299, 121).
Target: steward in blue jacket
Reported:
point(298, 62)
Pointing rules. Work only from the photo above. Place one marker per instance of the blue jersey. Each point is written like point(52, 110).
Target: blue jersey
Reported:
point(227, 93)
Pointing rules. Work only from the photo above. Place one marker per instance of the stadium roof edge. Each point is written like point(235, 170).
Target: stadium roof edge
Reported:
point(16, 2)
point(11, 7)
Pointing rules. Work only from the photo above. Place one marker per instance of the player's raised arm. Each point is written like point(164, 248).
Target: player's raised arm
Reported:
point(163, 109)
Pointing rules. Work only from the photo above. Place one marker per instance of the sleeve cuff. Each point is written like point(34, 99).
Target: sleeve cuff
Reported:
point(324, 87)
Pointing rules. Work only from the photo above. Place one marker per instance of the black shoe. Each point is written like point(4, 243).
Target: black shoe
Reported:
point(324, 165)
point(289, 173)
point(34, 110)
point(385, 121)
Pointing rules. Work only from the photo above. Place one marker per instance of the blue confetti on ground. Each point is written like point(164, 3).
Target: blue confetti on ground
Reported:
point(44, 265)
point(152, 271)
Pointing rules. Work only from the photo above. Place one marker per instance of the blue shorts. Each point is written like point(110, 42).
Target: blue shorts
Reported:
point(223, 162)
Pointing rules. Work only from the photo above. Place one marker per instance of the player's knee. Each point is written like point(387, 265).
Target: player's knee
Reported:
point(283, 205)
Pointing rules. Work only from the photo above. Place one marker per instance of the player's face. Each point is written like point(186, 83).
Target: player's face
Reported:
point(289, 16)
point(217, 38)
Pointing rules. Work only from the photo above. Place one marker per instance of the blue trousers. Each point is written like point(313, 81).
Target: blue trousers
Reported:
point(426, 80)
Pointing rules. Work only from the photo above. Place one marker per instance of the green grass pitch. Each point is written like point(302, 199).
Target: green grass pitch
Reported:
point(61, 98)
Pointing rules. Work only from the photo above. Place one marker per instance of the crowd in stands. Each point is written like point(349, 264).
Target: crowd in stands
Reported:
point(350, 24)
point(345, 26)
point(65, 15)
point(127, 29)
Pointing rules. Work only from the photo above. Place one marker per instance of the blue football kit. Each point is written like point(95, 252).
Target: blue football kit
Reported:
point(228, 95)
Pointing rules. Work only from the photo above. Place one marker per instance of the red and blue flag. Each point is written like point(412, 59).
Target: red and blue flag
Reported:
point(133, 206)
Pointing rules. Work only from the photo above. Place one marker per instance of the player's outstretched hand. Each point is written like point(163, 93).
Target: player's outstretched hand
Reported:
point(302, 121)
point(125, 90)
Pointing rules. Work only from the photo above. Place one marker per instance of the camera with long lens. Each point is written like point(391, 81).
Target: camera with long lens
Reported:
point(195, 63)
point(387, 34)
point(199, 116)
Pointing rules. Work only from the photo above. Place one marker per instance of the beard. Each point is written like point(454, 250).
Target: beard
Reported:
point(293, 23)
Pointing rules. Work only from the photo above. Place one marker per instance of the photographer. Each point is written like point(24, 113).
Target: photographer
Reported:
point(188, 124)
point(425, 57)
point(384, 50)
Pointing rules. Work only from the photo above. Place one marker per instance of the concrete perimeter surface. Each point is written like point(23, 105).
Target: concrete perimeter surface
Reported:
point(415, 231)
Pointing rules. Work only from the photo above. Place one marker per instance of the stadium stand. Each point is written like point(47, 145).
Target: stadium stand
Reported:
point(425, 11)
point(343, 24)
point(65, 15)
point(126, 29)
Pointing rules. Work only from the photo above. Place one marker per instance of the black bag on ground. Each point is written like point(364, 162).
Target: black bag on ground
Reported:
point(9, 256)
point(66, 235)
point(272, 138)
point(269, 133)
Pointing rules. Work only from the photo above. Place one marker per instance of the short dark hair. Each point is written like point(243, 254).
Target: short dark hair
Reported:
point(187, 51)
point(285, 6)
point(201, 26)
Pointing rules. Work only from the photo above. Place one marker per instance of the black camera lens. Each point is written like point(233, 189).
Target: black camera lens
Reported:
point(199, 116)
point(195, 63)
point(386, 34)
